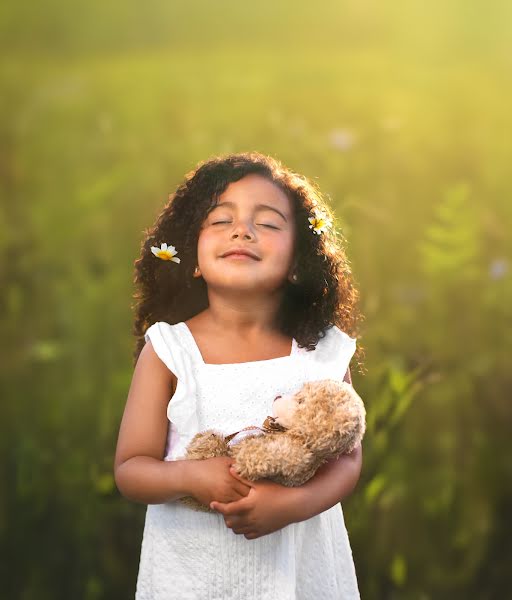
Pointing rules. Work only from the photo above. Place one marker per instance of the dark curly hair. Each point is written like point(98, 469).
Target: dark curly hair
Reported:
point(325, 293)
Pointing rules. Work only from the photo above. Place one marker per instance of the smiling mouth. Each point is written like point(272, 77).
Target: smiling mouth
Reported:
point(239, 255)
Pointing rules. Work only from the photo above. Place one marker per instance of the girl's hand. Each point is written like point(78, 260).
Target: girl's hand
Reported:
point(269, 506)
point(210, 479)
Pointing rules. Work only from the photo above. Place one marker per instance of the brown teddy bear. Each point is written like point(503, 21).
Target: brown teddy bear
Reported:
point(321, 421)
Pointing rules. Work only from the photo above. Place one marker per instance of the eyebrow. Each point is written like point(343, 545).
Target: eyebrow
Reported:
point(258, 207)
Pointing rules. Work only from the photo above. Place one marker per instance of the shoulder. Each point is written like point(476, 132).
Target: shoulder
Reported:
point(150, 360)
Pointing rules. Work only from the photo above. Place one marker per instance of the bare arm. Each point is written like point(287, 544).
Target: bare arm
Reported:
point(141, 474)
point(332, 483)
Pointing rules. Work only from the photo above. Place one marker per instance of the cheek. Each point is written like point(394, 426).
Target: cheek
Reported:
point(205, 241)
point(284, 247)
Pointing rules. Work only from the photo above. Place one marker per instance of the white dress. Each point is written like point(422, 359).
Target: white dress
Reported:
point(193, 555)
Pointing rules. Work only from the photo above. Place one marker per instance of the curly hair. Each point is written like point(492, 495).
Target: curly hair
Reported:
point(324, 295)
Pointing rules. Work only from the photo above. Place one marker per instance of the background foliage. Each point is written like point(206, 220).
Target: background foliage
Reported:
point(401, 113)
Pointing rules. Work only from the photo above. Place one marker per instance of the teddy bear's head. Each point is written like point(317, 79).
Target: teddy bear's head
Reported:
point(323, 414)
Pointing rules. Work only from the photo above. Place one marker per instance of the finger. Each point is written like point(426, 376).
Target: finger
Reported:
point(238, 526)
point(229, 508)
point(238, 522)
point(236, 474)
point(241, 530)
point(223, 507)
point(216, 506)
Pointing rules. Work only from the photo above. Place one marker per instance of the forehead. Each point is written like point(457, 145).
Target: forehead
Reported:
point(256, 189)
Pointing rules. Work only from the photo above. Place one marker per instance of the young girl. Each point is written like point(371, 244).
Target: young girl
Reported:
point(244, 294)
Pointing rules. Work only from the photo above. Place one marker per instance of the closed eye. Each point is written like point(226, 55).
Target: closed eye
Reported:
point(263, 224)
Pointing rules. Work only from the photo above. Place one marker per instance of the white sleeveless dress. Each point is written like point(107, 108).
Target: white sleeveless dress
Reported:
point(193, 555)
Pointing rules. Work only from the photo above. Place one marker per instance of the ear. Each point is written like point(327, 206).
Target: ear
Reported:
point(292, 275)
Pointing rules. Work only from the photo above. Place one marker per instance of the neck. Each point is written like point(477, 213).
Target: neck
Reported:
point(242, 314)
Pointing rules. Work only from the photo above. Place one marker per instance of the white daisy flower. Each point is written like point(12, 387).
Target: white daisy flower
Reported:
point(165, 252)
point(319, 223)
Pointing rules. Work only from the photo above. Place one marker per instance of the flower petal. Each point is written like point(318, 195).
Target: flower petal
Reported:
point(165, 252)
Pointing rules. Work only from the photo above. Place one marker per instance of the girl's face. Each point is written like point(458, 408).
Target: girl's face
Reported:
point(254, 215)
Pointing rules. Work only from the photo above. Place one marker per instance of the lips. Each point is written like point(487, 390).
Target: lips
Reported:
point(241, 251)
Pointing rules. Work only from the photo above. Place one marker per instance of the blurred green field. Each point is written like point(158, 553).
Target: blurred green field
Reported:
point(401, 114)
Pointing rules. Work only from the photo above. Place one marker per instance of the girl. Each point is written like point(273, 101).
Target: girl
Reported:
point(244, 293)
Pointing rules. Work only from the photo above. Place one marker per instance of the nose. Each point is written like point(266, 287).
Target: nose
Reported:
point(241, 229)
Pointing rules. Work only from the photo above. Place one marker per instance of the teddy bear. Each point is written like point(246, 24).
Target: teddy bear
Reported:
point(322, 420)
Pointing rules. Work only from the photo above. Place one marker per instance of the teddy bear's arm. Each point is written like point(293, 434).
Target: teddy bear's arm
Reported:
point(278, 456)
